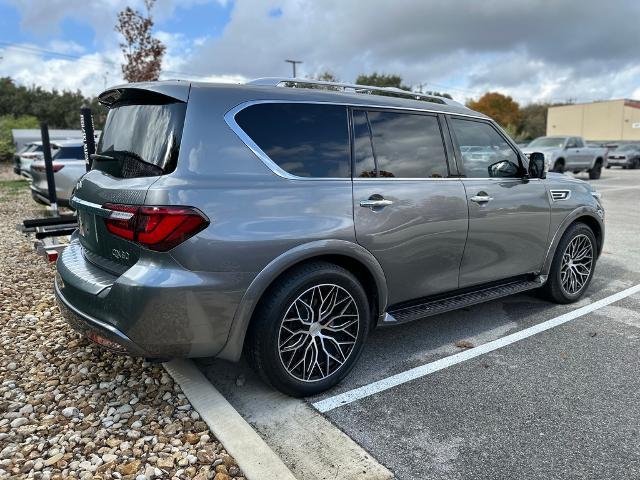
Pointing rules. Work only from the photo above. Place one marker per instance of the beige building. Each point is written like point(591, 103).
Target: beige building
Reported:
point(610, 120)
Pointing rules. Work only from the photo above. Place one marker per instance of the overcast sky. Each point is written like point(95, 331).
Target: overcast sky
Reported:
point(534, 50)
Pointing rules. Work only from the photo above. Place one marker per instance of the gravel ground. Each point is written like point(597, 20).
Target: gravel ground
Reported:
point(71, 410)
point(6, 172)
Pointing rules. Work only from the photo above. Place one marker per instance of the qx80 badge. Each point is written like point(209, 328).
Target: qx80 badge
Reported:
point(121, 255)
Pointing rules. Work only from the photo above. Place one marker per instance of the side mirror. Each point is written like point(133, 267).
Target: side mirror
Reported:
point(537, 165)
point(503, 169)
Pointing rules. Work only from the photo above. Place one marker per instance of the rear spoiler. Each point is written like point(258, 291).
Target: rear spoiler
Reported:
point(161, 92)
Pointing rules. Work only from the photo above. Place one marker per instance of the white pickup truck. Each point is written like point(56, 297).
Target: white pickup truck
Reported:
point(569, 154)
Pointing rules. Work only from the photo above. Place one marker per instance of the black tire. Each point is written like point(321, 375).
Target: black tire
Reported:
point(554, 289)
point(634, 163)
point(262, 346)
point(558, 166)
point(596, 171)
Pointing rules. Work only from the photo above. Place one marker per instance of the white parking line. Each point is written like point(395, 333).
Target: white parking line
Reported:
point(386, 383)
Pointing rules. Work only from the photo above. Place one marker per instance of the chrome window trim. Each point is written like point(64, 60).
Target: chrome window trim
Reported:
point(230, 119)
point(405, 179)
point(502, 179)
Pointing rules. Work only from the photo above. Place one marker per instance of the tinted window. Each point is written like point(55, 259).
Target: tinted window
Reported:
point(482, 147)
point(406, 146)
point(362, 150)
point(306, 140)
point(141, 140)
point(71, 152)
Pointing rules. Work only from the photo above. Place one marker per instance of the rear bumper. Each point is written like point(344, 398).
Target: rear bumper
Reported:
point(619, 162)
point(156, 308)
point(86, 325)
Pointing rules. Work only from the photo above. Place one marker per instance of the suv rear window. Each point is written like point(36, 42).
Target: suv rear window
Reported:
point(141, 140)
point(70, 153)
point(306, 140)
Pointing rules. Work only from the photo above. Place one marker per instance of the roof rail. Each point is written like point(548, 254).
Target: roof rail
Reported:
point(367, 89)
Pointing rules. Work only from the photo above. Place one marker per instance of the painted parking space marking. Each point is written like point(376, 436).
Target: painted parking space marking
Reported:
point(359, 393)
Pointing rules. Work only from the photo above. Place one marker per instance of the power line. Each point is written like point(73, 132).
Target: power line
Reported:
point(83, 59)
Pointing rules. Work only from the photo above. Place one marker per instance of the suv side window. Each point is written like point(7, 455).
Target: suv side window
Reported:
point(399, 145)
point(579, 142)
point(306, 140)
point(571, 143)
point(364, 162)
point(485, 153)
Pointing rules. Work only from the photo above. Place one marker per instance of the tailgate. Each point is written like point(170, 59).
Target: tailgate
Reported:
point(95, 190)
point(140, 142)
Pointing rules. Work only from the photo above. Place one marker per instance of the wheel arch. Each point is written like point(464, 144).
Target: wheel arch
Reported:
point(348, 255)
point(585, 215)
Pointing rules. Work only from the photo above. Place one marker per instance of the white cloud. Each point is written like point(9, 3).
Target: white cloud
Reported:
point(530, 49)
point(89, 73)
point(65, 46)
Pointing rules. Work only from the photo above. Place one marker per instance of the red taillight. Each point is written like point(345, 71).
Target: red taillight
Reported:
point(41, 168)
point(157, 228)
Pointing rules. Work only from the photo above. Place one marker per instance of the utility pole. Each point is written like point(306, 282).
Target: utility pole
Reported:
point(293, 64)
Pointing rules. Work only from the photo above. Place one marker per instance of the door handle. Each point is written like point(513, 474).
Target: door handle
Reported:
point(375, 203)
point(481, 198)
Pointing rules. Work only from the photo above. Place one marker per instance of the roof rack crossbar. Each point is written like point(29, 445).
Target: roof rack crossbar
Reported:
point(280, 81)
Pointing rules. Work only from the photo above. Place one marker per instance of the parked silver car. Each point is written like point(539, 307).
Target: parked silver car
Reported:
point(289, 222)
point(625, 156)
point(570, 154)
point(68, 166)
point(27, 155)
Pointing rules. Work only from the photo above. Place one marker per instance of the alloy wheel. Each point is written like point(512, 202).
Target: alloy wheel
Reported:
point(577, 262)
point(318, 332)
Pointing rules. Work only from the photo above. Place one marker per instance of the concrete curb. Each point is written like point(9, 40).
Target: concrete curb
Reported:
point(253, 455)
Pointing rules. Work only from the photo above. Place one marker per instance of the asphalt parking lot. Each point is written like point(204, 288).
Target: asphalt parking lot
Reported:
point(562, 403)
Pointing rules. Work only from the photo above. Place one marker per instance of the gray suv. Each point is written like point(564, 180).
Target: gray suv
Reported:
point(288, 222)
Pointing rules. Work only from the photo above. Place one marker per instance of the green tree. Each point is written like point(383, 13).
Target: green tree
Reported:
point(533, 121)
point(382, 80)
point(327, 76)
point(60, 109)
point(391, 80)
point(7, 123)
point(502, 108)
point(26, 107)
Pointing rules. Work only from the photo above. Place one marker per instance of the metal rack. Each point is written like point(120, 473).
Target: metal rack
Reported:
point(51, 232)
point(354, 87)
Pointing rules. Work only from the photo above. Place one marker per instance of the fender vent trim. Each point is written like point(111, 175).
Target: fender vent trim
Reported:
point(558, 195)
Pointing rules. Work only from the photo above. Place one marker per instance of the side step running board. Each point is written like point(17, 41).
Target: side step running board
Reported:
point(434, 307)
